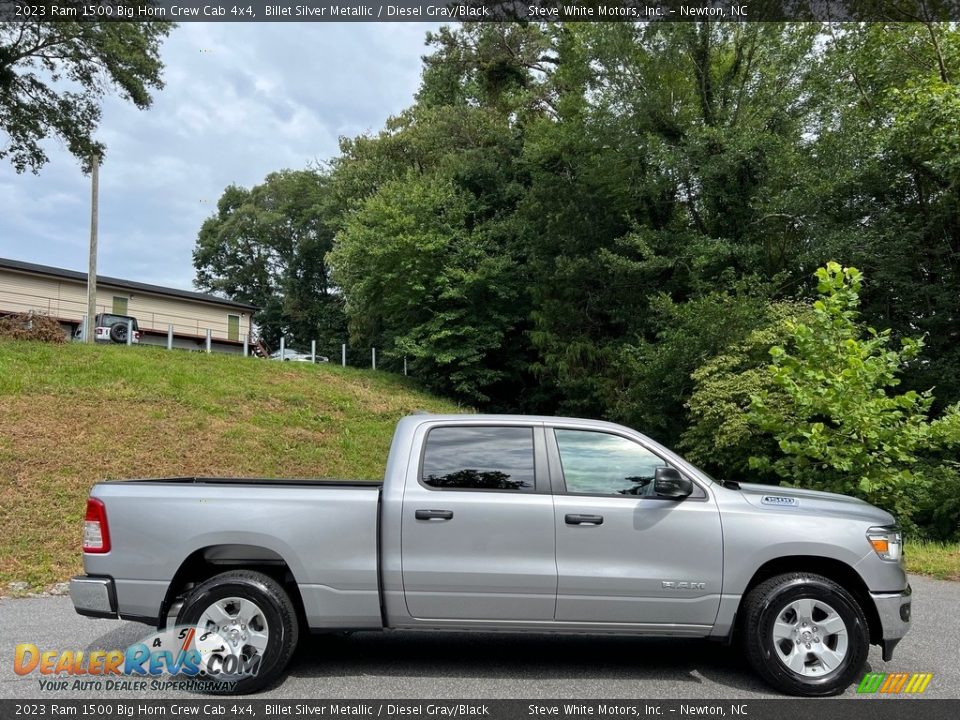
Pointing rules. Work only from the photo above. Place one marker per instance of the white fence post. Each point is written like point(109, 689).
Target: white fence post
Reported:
point(169, 337)
point(373, 358)
point(209, 339)
point(246, 345)
point(404, 365)
point(129, 332)
point(313, 351)
point(343, 354)
point(85, 328)
point(283, 352)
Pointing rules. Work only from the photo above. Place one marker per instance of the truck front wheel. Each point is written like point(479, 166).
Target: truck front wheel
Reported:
point(804, 634)
point(245, 630)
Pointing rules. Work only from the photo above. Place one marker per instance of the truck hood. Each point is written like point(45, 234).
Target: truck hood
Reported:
point(785, 499)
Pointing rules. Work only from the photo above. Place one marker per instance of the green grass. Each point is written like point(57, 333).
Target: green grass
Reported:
point(939, 560)
point(71, 415)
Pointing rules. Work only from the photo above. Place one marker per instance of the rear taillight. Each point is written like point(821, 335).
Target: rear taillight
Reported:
point(96, 533)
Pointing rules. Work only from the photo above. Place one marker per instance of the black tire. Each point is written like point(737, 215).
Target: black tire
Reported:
point(278, 611)
point(768, 600)
point(118, 333)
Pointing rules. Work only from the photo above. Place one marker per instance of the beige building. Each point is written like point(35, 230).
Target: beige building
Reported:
point(62, 294)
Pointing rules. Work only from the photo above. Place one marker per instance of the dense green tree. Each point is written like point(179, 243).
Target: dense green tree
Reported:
point(426, 285)
point(435, 194)
point(662, 372)
point(719, 436)
point(654, 182)
point(882, 188)
point(628, 170)
point(53, 76)
point(502, 66)
point(267, 246)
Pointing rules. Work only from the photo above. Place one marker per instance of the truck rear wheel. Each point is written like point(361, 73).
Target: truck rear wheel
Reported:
point(246, 630)
point(804, 634)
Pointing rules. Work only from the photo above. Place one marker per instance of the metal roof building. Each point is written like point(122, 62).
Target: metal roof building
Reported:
point(62, 294)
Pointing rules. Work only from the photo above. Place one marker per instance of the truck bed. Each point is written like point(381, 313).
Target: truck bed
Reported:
point(321, 482)
point(324, 531)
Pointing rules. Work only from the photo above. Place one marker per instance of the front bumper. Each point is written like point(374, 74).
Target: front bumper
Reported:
point(94, 596)
point(894, 610)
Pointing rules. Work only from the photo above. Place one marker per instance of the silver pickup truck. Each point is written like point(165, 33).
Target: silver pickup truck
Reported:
point(487, 522)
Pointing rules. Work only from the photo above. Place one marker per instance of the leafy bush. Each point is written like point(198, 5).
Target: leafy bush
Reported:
point(837, 421)
point(719, 437)
point(656, 376)
point(29, 326)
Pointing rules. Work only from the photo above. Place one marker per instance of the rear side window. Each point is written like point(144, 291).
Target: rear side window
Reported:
point(479, 458)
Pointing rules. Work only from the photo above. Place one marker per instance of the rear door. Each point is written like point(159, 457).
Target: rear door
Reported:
point(477, 532)
point(623, 554)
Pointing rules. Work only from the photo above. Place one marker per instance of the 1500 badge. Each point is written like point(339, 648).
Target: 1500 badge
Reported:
point(778, 500)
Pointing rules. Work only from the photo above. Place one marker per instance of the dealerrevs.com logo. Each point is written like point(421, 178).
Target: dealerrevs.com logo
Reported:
point(894, 683)
point(204, 662)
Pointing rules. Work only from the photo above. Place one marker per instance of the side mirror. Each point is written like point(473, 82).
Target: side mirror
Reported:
point(668, 483)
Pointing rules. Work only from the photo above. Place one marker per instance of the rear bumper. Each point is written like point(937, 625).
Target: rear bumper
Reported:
point(94, 596)
point(894, 610)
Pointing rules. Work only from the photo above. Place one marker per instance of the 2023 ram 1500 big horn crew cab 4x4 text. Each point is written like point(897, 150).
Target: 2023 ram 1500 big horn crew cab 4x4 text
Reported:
point(510, 523)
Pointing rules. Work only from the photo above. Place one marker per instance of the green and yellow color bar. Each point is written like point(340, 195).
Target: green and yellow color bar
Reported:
point(894, 683)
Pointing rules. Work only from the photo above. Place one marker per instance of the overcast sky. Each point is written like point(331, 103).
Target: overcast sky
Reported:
point(241, 100)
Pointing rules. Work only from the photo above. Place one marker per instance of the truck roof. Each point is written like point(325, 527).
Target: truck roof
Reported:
point(422, 417)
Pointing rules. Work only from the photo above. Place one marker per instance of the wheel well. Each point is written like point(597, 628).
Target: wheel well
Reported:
point(206, 562)
point(835, 570)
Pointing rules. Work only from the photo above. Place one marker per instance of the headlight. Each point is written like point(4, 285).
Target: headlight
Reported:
point(886, 541)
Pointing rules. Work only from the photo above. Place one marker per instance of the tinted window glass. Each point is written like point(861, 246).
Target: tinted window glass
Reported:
point(107, 320)
point(479, 458)
point(602, 464)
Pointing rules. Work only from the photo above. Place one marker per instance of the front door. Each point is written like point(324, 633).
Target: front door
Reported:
point(477, 537)
point(623, 554)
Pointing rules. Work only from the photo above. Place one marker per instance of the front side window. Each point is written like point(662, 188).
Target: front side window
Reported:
point(479, 458)
point(597, 463)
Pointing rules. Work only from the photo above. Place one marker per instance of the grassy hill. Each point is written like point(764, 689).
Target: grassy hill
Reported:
point(71, 415)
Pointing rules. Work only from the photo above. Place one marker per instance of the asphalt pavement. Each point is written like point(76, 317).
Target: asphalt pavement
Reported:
point(398, 665)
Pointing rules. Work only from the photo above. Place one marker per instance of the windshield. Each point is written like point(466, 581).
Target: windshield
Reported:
point(107, 320)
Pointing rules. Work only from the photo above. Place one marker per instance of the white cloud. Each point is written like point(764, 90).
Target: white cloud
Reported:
point(241, 100)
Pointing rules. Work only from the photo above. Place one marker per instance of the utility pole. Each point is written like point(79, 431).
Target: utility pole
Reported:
point(90, 328)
